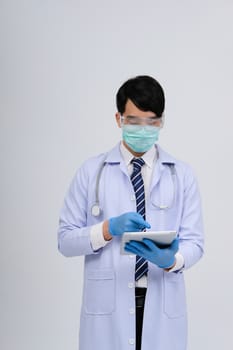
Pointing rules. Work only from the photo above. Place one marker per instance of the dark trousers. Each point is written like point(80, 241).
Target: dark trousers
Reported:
point(140, 296)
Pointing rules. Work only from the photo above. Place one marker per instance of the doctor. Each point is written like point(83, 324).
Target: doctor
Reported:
point(136, 300)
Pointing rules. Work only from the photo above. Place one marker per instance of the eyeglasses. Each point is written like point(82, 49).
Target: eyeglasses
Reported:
point(133, 120)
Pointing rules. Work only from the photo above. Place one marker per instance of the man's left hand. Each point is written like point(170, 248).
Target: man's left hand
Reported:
point(149, 250)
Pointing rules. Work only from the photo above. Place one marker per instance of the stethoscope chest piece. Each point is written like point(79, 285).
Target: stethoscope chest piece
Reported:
point(95, 210)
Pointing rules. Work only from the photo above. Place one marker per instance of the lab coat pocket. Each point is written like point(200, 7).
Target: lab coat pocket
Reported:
point(99, 292)
point(174, 295)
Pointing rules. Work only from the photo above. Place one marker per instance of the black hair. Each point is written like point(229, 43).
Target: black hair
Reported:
point(145, 92)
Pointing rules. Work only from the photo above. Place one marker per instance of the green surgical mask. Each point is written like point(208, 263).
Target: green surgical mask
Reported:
point(140, 138)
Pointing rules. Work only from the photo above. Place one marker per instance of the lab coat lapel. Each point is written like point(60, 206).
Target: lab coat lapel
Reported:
point(156, 175)
point(163, 158)
point(114, 156)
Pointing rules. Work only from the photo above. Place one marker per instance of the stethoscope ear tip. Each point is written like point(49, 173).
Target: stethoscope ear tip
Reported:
point(162, 207)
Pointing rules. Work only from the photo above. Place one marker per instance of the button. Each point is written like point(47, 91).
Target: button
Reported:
point(130, 284)
point(131, 341)
point(133, 198)
point(131, 311)
point(131, 256)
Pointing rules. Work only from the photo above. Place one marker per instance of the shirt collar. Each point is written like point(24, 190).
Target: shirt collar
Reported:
point(149, 157)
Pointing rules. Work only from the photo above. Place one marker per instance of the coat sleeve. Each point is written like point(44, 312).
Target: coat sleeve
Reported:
point(191, 228)
point(73, 232)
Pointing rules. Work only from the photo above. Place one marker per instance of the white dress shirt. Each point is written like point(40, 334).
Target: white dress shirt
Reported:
point(150, 157)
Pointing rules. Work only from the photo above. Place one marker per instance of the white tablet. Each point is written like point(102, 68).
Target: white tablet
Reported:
point(161, 237)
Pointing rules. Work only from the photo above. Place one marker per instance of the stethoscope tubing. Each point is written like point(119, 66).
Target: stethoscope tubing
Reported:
point(96, 209)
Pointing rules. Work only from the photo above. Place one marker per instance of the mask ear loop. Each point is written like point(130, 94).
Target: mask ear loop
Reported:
point(162, 121)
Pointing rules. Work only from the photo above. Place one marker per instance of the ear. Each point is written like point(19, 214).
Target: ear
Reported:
point(118, 119)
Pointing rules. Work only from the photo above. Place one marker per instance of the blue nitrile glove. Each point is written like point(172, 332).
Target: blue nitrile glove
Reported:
point(128, 222)
point(162, 257)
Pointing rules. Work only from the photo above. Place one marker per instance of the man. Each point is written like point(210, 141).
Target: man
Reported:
point(135, 300)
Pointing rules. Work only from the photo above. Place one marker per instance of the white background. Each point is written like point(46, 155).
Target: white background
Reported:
point(62, 63)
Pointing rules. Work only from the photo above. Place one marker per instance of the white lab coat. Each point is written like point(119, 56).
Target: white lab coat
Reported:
point(108, 306)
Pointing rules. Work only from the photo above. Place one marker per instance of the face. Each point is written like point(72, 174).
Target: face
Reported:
point(144, 117)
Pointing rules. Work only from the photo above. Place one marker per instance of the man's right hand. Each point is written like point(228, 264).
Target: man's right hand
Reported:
point(128, 222)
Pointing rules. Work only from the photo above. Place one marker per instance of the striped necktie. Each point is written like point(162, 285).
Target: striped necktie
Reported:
point(141, 267)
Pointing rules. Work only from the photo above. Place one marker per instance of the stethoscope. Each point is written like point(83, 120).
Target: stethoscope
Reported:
point(96, 209)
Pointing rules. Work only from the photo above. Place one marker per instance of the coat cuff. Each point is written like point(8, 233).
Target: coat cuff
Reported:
point(97, 238)
point(179, 263)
